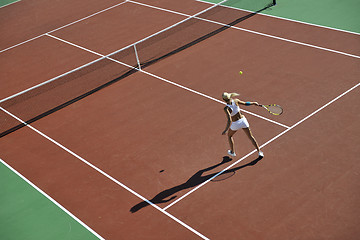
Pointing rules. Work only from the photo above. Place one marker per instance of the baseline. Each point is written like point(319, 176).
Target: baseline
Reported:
point(82, 19)
point(255, 32)
point(287, 19)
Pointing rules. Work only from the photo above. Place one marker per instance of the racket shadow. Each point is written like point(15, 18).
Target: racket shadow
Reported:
point(195, 180)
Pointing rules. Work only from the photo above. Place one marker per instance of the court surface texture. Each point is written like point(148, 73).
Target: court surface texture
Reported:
point(140, 155)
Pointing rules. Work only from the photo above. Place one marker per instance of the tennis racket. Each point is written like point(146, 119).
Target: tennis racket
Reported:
point(273, 109)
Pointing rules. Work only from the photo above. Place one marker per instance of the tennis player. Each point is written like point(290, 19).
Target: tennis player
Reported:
point(237, 121)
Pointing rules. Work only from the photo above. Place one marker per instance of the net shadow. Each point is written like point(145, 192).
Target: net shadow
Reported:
point(193, 32)
point(71, 88)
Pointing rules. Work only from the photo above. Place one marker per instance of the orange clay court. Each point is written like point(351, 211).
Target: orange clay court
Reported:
point(132, 149)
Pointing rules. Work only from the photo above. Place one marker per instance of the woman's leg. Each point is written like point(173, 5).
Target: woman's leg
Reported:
point(231, 140)
point(252, 138)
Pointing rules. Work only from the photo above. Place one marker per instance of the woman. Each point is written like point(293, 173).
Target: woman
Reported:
point(237, 121)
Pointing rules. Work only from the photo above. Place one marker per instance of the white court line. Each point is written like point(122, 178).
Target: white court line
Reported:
point(287, 19)
point(52, 200)
point(263, 145)
point(10, 3)
point(82, 19)
point(115, 179)
point(50, 80)
point(182, 14)
point(214, 99)
point(132, 190)
point(254, 32)
point(155, 76)
point(107, 56)
point(104, 174)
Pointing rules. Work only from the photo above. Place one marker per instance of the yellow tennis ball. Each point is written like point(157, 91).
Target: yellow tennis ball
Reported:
point(240, 72)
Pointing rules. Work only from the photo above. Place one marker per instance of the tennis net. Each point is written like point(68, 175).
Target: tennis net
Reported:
point(48, 97)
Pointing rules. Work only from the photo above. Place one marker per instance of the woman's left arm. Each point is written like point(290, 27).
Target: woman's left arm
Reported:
point(228, 120)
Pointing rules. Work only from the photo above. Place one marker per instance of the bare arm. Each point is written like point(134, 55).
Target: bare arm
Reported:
point(246, 103)
point(228, 120)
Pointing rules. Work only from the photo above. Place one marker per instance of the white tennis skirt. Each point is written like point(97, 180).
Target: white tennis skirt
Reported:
point(241, 123)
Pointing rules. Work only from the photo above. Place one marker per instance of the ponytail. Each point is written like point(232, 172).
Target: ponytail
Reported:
point(234, 95)
point(226, 96)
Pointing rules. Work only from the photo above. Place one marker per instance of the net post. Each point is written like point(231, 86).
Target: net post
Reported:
point(137, 57)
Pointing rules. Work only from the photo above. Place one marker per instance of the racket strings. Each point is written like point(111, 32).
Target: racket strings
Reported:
point(275, 109)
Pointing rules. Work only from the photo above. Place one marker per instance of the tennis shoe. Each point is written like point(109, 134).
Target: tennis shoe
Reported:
point(261, 154)
point(231, 153)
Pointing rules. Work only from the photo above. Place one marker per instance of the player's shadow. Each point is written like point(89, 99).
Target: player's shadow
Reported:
point(198, 178)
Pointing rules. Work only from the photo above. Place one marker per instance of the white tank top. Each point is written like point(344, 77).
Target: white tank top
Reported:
point(234, 108)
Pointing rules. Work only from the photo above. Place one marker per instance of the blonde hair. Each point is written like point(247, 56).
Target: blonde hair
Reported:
point(226, 96)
